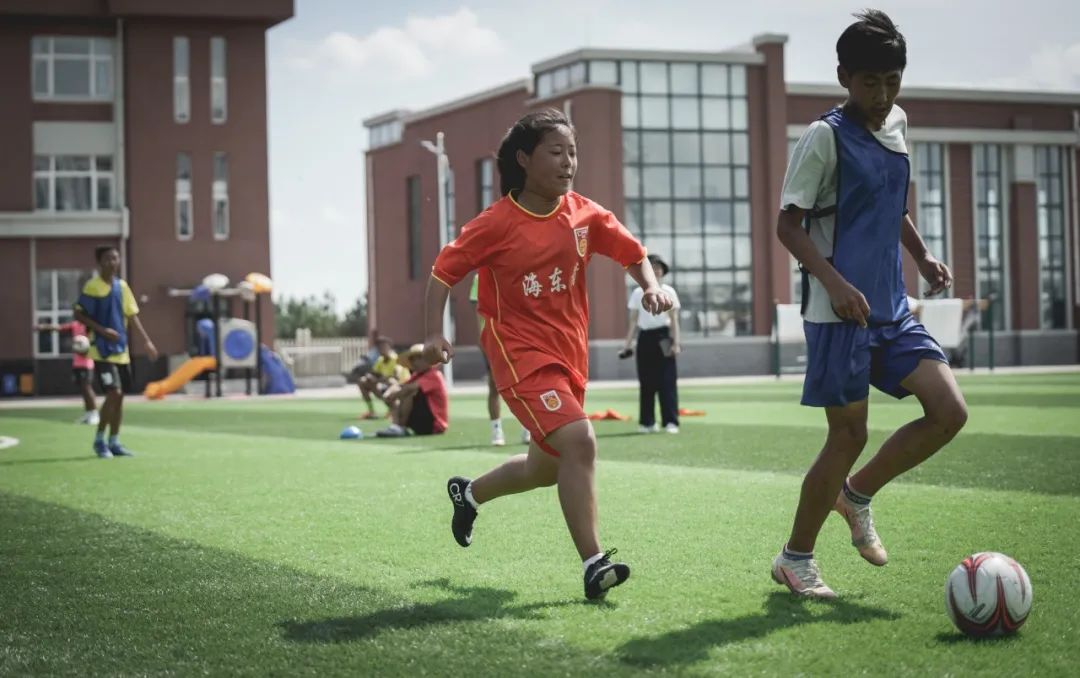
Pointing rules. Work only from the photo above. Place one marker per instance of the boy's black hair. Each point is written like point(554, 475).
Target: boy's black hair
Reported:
point(524, 136)
point(872, 44)
point(100, 251)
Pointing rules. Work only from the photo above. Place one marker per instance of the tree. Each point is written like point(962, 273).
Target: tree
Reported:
point(355, 322)
point(315, 314)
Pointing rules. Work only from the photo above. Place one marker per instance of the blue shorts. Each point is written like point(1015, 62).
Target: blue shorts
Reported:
point(843, 360)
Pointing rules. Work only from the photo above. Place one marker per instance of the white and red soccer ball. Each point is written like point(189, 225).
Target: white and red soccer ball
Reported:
point(989, 594)
point(80, 344)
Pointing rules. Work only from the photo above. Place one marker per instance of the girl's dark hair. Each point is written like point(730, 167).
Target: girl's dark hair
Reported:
point(872, 44)
point(101, 250)
point(524, 136)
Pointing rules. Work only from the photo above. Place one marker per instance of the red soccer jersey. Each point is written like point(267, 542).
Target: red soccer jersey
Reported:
point(433, 386)
point(532, 281)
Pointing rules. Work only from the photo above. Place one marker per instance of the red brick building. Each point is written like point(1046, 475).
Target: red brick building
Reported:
point(140, 123)
point(690, 149)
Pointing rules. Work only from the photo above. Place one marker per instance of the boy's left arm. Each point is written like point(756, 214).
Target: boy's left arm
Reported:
point(933, 271)
point(150, 348)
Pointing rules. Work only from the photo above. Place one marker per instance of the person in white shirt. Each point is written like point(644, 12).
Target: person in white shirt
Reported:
point(657, 346)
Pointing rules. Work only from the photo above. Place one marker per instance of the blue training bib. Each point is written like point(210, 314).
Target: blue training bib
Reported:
point(871, 199)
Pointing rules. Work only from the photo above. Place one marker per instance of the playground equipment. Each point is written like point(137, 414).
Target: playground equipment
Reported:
point(224, 342)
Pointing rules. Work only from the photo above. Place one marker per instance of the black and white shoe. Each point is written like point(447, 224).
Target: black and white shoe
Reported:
point(603, 575)
point(464, 513)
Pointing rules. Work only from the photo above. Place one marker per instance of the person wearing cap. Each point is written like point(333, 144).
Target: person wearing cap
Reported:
point(657, 346)
point(383, 374)
point(420, 406)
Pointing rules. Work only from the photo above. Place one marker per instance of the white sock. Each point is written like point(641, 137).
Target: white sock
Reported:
point(469, 497)
point(496, 425)
point(590, 561)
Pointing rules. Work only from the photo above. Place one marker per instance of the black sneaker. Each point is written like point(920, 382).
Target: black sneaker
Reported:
point(603, 575)
point(464, 513)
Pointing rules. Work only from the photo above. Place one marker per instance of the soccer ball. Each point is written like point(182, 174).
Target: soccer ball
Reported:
point(80, 344)
point(989, 594)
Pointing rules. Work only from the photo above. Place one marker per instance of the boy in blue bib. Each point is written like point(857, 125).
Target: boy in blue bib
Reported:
point(107, 306)
point(843, 216)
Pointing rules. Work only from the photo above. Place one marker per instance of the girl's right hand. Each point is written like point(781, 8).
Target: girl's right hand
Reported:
point(849, 303)
point(438, 350)
point(110, 334)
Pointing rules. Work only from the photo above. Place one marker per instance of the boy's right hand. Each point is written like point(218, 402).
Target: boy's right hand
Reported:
point(438, 350)
point(110, 334)
point(848, 302)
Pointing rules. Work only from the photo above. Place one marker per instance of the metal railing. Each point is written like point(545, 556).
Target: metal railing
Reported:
point(321, 356)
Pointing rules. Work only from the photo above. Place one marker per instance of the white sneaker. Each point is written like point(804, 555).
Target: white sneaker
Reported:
point(497, 437)
point(800, 576)
point(863, 535)
point(648, 429)
point(93, 418)
point(672, 428)
point(526, 437)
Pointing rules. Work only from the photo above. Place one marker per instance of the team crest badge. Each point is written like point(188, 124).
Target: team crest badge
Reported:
point(581, 236)
point(551, 400)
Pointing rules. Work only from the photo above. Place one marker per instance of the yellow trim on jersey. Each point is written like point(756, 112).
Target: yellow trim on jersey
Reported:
point(503, 349)
point(491, 326)
point(448, 285)
point(529, 410)
point(534, 214)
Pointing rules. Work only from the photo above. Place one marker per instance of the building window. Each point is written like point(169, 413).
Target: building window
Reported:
point(220, 194)
point(412, 193)
point(686, 175)
point(451, 205)
point(990, 232)
point(73, 183)
point(932, 213)
point(70, 68)
point(1050, 191)
point(181, 81)
point(218, 88)
point(485, 183)
point(604, 72)
point(56, 292)
point(185, 228)
point(384, 134)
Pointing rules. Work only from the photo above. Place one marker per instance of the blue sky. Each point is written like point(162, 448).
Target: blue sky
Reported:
point(338, 62)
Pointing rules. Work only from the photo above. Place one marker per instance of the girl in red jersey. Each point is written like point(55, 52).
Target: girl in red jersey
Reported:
point(531, 248)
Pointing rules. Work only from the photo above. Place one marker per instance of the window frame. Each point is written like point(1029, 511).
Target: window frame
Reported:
point(414, 224)
point(219, 87)
point(92, 58)
point(181, 81)
point(184, 196)
point(56, 314)
point(1002, 209)
point(95, 175)
point(922, 171)
point(1043, 173)
point(221, 226)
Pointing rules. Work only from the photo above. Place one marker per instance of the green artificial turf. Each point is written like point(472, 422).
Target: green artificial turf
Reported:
point(245, 538)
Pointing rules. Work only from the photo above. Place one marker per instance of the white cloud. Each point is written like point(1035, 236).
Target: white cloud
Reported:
point(409, 51)
point(1052, 67)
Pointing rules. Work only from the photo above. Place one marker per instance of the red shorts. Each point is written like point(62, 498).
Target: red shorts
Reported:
point(545, 401)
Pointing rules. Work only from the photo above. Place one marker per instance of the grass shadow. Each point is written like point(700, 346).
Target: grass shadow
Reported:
point(50, 460)
point(470, 603)
point(957, 638)
point(780, 611)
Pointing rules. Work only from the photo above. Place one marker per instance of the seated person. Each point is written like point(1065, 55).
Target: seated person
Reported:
point(419, 406)
point(384, 373)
